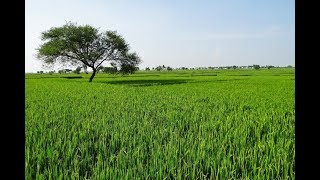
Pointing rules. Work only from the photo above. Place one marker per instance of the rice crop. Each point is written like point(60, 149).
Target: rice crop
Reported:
point(214, 124)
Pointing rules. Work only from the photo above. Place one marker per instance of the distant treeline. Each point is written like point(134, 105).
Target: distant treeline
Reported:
point(254, 66)
point(129, 70)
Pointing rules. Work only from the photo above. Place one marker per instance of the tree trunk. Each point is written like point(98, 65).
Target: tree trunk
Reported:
point(93, 74)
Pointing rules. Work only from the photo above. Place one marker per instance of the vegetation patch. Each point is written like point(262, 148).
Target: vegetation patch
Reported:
point(71, 77)
point(204, 75)
point(160, 127)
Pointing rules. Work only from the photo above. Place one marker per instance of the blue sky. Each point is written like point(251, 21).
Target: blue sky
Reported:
point(177, 33)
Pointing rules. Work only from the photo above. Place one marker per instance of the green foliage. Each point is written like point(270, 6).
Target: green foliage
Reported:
point(256, 67)
point(129, 66)
point(270, 66)
point(201, 124)
point(128, 69)
point(110, 70)
point(84, 45)
point(159, 68)
point(77, 70)
point(100, 68)
point(68, 70)
point(163, 67)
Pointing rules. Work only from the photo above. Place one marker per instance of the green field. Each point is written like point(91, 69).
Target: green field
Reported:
point(204, 124)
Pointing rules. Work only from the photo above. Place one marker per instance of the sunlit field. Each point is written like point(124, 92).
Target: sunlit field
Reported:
point(191, 124)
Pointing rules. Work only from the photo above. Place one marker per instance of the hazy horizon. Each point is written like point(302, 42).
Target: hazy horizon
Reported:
point(177, 33)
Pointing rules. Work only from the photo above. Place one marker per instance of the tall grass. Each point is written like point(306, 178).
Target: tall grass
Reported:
point(166, 126)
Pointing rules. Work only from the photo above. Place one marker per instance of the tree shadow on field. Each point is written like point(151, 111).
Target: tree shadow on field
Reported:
point(217, 80)
point(71, 77)
point(147, 82)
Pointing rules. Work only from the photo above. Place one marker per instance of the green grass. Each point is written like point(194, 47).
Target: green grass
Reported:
point(205, 124)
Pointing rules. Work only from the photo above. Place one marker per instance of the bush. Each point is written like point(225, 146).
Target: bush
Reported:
point(269, 67)
point(128, 69)
point(110, 70)
point(77, 70)
point(159, 68)
point(256, 67)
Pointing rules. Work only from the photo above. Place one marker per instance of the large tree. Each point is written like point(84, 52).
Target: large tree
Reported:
point(84, 45)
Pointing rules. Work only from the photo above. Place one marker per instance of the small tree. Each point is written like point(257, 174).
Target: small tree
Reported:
point(77, 70)
point(68, 70)
point(128, 69)
point(159, 68)
point(256, 67)
point(84, 45)
point(51, 72)
point(129, 66)
point(234, 67)
point(169, 68)
point(110, 70)
point(269, 67)
point(147, 69)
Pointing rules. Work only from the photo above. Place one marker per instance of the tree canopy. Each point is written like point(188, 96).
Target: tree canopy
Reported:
point(86, 46)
